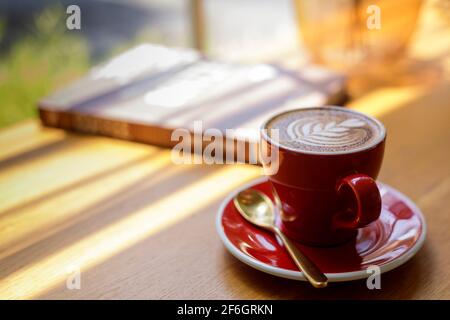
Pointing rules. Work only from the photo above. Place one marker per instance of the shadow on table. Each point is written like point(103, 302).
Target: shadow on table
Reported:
point(101, 214)
point(68, 142)
point(179, 263)
point(20, 158)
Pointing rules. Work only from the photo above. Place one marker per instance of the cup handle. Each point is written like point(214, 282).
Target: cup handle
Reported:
point(367, 201)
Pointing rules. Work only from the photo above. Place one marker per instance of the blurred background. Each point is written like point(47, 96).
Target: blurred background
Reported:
point(38, 54)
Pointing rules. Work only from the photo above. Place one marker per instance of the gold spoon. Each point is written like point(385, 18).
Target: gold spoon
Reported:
point(258, 209)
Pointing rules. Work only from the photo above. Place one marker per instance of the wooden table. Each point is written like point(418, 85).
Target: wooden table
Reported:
point(137, 226)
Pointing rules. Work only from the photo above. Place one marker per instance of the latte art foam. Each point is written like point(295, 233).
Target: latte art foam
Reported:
point(326, 130)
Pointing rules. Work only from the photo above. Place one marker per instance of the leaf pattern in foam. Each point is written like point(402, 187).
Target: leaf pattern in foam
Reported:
point(330, 125)
point(338, 129)
point(331, 130)
point(318, 128)
point(352, 123)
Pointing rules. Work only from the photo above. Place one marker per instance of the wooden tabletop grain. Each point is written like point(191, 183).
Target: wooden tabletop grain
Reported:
point(134, 225)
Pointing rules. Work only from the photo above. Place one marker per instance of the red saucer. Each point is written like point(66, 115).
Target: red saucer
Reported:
point(388, 242)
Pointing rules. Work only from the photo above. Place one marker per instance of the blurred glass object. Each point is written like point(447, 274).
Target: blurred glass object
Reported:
point(444, 9)
point(356, 35)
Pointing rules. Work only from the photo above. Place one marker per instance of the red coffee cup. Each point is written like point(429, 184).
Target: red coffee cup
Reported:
point(325, 197)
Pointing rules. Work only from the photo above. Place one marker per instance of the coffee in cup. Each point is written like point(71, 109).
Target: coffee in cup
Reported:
point(329, 158)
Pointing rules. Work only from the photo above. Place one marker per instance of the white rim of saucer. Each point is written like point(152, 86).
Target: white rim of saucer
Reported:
point(332, 277)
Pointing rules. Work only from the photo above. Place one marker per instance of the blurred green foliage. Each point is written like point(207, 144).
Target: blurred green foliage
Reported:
point(38, 63)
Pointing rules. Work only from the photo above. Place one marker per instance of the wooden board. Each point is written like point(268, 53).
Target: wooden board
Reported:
point(145, 93)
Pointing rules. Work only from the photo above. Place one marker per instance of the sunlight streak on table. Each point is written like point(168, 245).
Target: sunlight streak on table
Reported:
point(42, 275)
point(25, 226)
point(383, 101)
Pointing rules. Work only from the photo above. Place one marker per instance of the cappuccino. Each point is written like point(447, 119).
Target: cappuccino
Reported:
point(326, 130)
